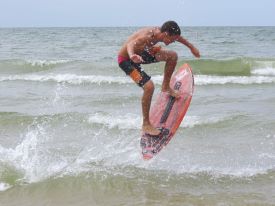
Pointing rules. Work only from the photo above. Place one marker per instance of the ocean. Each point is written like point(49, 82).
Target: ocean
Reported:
point(70, 121)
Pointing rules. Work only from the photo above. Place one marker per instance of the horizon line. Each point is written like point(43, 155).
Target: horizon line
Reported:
point(10, 27)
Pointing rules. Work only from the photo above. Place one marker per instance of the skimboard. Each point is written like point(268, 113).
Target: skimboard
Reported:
point(167, 112)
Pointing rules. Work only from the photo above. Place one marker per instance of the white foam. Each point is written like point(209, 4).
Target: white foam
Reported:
point(133, 121)
point(209, 80)
point(33, 157)
point(192, 121)
point(4, 186)
point(100, 79)
point(68, 78)
point(30, 156)
point(263, 64)
point(264, 72)
point(42, 63)
point(128, 121)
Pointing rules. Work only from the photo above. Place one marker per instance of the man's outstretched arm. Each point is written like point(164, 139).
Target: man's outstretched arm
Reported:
point(193, 49)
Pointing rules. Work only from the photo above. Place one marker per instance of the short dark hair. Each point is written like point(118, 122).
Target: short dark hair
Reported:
point(171, 27)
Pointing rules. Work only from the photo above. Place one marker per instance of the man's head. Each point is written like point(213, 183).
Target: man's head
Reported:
point(171, 27)
point(170, 32)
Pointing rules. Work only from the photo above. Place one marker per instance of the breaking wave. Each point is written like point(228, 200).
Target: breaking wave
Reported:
point(101, 79)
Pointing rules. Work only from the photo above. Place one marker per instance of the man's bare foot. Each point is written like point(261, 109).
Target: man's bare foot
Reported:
point(149, 129)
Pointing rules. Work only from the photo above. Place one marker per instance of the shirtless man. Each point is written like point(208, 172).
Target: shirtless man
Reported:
point(141, 48)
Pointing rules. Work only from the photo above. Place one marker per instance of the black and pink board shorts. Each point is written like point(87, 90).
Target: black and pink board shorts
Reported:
point(134, 70)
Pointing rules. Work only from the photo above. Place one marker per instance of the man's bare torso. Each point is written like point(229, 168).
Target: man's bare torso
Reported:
point(142, 39)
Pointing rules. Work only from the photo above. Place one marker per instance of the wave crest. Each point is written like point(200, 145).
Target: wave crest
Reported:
point(101, 79)
point(230, 67)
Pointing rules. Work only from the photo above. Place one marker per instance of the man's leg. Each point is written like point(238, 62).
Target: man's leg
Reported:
point(148, 89)
point(143, 80)
point(170, 57)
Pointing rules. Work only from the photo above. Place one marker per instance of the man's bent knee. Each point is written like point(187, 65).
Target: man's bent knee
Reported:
point(173, 56)
point(149, 86)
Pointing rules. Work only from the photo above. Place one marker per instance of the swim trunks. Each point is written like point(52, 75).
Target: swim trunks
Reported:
point(134, 70)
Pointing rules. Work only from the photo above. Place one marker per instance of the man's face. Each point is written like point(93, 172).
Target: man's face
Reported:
point(169, 39)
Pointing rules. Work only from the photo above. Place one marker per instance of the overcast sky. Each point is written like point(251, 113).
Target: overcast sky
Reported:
point(66, 13)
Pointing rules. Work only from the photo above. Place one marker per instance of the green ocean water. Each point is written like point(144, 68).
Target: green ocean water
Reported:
point(70, 121)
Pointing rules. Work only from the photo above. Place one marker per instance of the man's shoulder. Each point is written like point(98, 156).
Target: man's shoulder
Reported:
point(146, 32)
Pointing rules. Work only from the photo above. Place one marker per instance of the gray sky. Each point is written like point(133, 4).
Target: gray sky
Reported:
point(51, 13)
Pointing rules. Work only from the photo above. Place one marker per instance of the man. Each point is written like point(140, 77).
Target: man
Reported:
point(141, 48)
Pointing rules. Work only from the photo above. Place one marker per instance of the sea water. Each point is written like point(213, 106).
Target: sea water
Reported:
point(70, 121)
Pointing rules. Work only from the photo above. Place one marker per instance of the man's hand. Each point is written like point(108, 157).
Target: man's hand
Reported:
point(193, 49)
point(195, 52)
point(136, 58)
